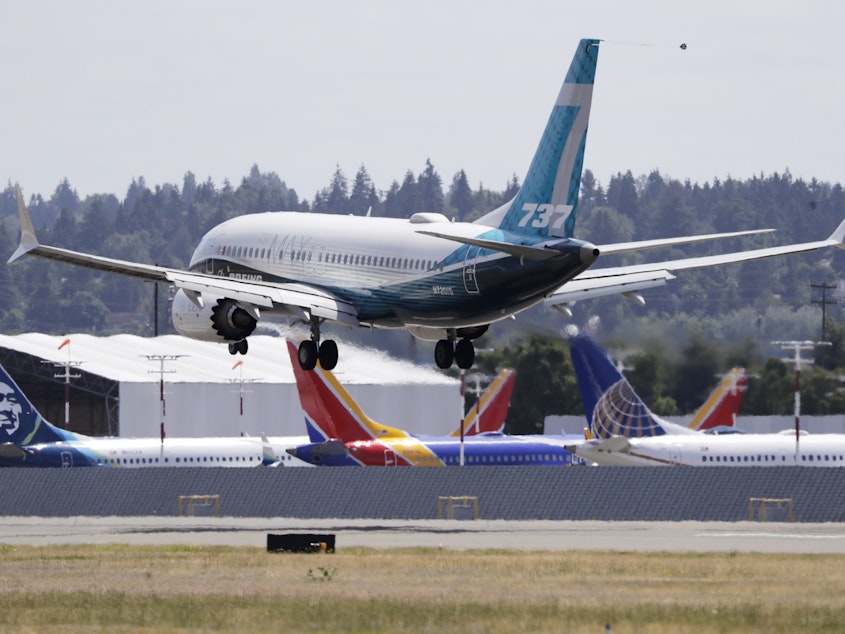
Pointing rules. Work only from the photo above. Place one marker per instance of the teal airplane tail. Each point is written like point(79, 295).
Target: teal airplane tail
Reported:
point(546, 204)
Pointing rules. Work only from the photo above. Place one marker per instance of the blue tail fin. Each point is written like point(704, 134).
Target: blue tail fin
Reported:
point(20, 422)
point(610, 403)
point(546, 203)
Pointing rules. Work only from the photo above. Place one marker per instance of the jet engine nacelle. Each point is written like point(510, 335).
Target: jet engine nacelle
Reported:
point(219, 320)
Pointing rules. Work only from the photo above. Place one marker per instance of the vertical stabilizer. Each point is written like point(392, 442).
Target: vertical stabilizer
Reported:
point(546, 204)
point(330, 411)
point(610, 403)
point(722, 406)
point(20, 422)
point(491, 410)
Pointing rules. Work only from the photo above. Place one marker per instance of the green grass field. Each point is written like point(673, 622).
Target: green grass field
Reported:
point(119, 588)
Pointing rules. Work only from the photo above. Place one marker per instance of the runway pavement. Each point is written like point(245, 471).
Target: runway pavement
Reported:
point(766, 537)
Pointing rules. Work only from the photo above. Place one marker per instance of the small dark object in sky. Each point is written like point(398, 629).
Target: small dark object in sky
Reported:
point(683, 46)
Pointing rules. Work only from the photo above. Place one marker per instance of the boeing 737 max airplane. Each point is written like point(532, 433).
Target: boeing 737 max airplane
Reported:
point(27, 440)
point(442, 281)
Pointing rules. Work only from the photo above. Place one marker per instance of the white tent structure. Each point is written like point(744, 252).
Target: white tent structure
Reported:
point(204, 387)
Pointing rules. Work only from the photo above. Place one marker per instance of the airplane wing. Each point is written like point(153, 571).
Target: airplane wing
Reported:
point(614, 444)
point(299, 297)
point(642, 245)
point(629, 279)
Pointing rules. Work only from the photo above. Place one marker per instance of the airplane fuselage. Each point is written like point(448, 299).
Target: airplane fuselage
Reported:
point(134, 453)
point(730, 450)
point(395, 276)
point(482, 450)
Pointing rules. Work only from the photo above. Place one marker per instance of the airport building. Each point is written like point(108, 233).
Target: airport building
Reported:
point(115, 386)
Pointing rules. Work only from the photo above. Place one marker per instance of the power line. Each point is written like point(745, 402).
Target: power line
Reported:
point(824, 301)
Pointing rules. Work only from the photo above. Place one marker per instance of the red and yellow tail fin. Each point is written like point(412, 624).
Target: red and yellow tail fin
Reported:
point(722, 406)
point(491, 409)
point(330, 409)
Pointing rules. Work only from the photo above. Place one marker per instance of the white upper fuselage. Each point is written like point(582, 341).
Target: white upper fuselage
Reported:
point(394, 275)
point(152, 452)
point(729, 450)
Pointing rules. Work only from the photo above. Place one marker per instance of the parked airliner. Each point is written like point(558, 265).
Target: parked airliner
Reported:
point(614, 409)
point(27, 440)
point(442, 281)
point(343, 435)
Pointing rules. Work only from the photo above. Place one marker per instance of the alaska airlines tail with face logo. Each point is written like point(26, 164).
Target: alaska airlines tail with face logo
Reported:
point(20, 423)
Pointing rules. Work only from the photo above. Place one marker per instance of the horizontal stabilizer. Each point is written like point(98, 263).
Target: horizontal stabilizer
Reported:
point(516, 250)
point(10, 451)
point(328, 448)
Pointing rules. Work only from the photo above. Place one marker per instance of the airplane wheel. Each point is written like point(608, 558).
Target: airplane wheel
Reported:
point(233, 348)
point(464, 354)
point(444, 354)
point(307, 355)
point(328, 354)
point(243, 346)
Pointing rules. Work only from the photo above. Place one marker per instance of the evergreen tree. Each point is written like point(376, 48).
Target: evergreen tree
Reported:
point(363, 196)
point(460, 196)
point(65, 198)
point(335, 198)
point(622, 196)
point(511, 189)
point(430, 190)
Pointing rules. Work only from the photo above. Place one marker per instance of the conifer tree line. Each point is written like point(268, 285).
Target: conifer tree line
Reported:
point(730, 312)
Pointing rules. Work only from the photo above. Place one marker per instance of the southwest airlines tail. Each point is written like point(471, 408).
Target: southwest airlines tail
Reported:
point(546, 203)
point(491, 409)
point(332, 414)
point(610, 403)
point(722, 407)
point(20, 422)
point(330, 411)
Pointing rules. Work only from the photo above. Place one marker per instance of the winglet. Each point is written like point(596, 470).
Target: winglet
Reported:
point(838, 235)
point(28, 239)
point(269, 456)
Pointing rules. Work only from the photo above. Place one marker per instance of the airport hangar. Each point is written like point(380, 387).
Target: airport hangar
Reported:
point(117, 388)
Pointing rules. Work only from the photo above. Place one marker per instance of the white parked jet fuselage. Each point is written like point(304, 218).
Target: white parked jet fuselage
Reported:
point(728, 450)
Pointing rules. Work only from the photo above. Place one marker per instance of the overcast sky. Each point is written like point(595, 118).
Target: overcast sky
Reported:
point(101, 92)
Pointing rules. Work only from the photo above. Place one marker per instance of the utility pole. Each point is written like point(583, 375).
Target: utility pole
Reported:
point(241, 380)
point(825, 302)
point(67, 376)
point(797, 359)
point(162, 358)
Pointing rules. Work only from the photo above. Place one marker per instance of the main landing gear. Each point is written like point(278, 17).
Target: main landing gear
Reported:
point(311, 350)
point(238, 347)
point(458, 347)
point(447, 351)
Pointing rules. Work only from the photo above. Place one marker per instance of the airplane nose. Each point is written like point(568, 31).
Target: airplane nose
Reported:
point(588, 253)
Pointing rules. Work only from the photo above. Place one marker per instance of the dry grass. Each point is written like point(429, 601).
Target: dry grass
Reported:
point(211, 589)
